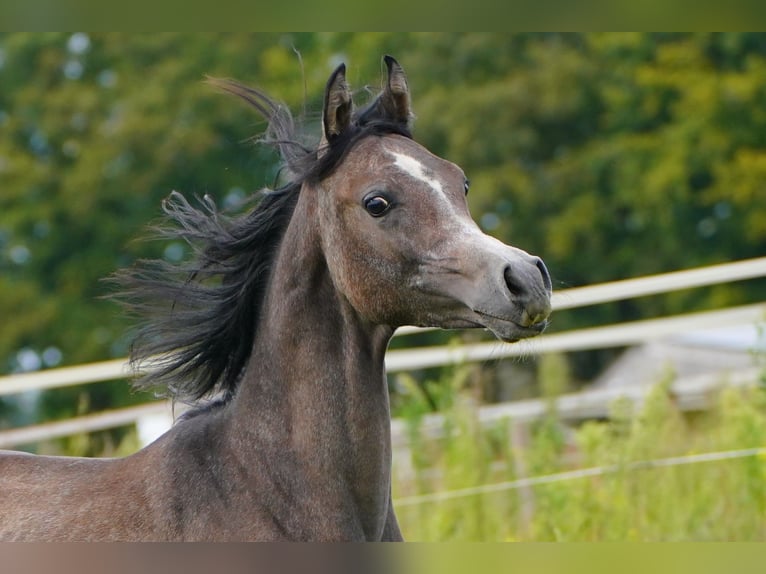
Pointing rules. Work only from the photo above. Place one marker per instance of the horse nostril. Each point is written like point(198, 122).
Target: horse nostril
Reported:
point(514, 286)
point(544, 272)
point(522, 282)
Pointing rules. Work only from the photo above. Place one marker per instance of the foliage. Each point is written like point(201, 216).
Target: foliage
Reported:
point(707, 501)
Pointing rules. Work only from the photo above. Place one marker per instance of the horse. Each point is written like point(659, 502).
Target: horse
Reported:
point(276, 329)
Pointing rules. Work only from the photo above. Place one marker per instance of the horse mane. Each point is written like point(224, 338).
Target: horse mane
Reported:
point(198, 318)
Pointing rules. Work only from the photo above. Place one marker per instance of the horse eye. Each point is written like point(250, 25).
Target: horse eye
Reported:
point(467, 185)
point(376, 205)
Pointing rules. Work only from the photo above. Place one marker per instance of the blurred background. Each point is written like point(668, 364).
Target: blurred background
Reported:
point(610, 155)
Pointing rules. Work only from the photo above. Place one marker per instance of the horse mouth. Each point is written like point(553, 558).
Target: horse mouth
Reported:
point(508, 330)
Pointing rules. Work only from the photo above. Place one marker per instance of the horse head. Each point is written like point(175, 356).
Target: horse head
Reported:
point(405, 250)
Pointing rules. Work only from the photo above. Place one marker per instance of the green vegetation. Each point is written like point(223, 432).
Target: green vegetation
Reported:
point(712, 501)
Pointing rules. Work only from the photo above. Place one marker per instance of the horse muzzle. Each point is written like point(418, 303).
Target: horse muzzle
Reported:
point(500, 288)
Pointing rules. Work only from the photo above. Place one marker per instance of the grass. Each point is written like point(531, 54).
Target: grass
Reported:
point(706, 501)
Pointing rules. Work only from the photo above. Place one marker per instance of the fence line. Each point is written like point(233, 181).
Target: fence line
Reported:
point(579, 473)
point(423, 357)
point(401, 360)
point(397, 360)
point(618, 335)
point(65, 377)
point(83, 424)
point(693, 393)
point(660, 283)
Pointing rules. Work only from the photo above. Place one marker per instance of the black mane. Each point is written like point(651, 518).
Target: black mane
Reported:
point(199, 317)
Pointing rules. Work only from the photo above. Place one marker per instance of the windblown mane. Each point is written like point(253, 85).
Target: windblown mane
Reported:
point(200, 317)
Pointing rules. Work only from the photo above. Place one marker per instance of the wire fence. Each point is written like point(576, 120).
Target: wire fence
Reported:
point(578, 474)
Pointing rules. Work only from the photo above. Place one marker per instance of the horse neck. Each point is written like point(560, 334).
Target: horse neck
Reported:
point(315, 389)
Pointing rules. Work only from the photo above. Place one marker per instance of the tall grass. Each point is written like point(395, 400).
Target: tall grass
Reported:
point(713, 501)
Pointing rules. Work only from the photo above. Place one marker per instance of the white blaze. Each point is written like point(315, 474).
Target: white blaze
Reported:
point(415, 169)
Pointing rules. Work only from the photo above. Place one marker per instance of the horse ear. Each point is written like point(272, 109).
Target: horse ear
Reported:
point(396, 94)
point(337, 105)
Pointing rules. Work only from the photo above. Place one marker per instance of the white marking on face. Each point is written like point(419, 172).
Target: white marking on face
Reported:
point(414, 168)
